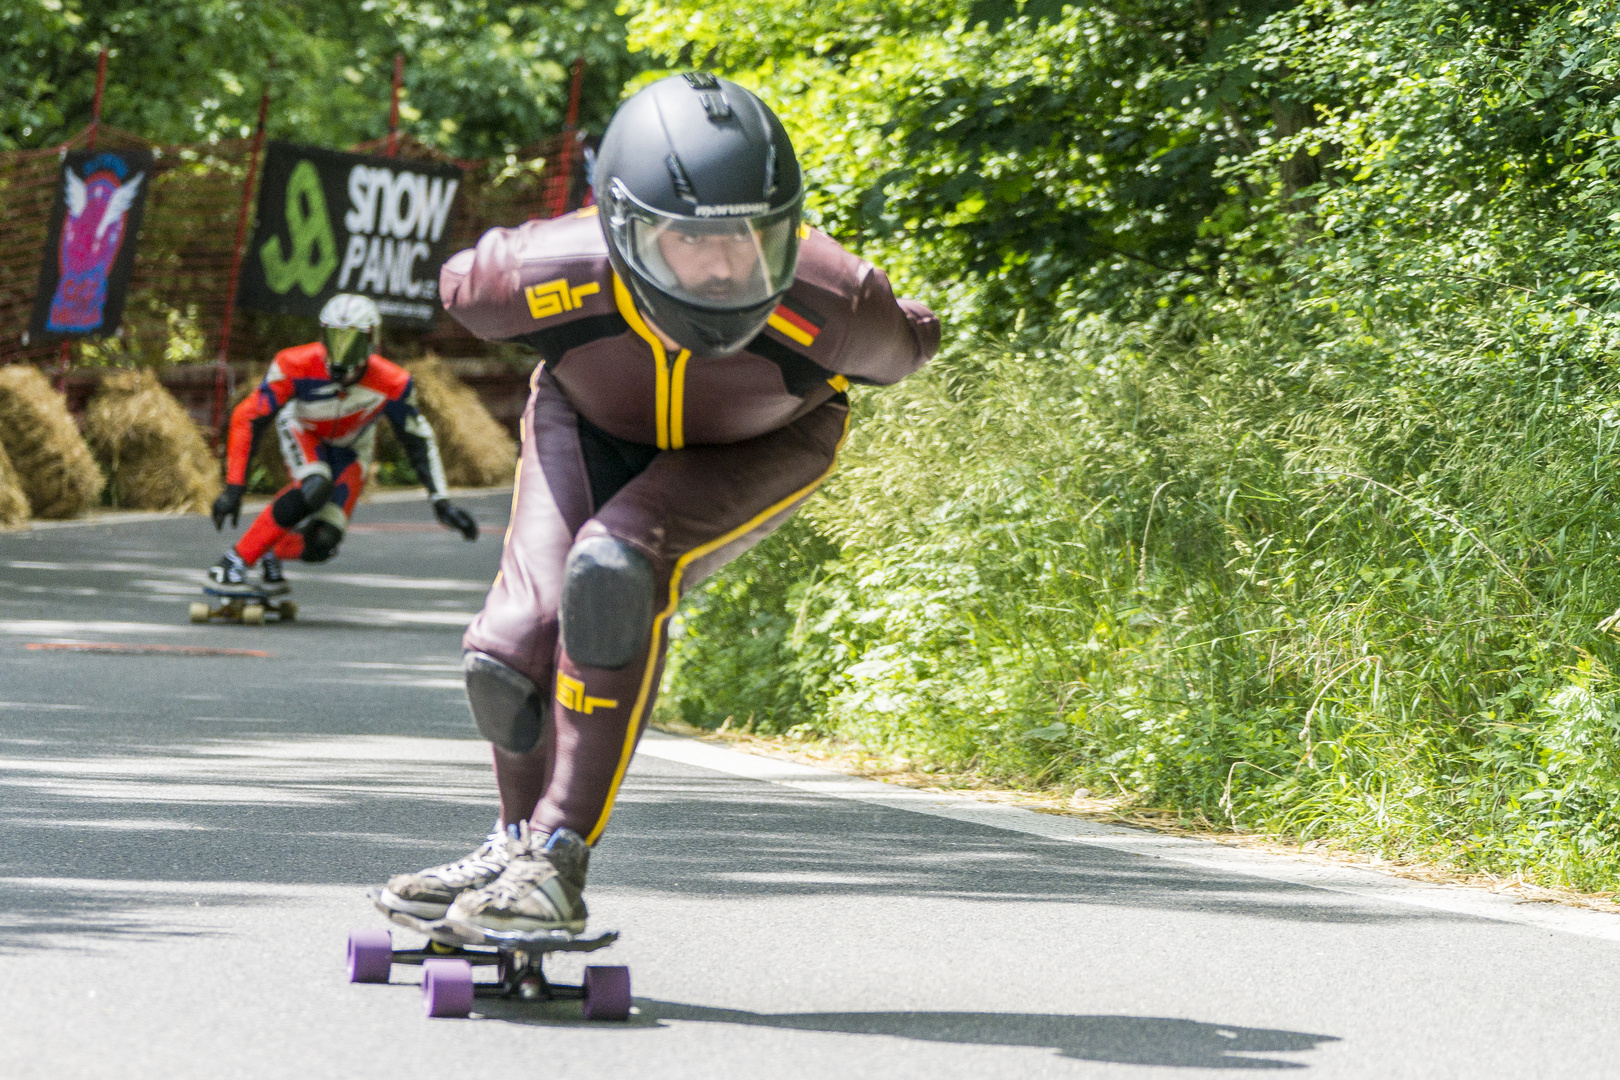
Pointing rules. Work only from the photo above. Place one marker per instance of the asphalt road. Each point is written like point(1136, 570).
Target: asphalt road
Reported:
point(184, 840)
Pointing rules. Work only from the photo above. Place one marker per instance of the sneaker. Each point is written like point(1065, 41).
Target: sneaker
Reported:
point(539, 889)
point(428, 894)
point(270, 575)
point(230, 570)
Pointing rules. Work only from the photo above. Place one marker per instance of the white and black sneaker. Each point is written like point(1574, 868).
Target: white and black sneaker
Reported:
point(428, 894)
point(271, 579)
point(230, 570)
point(538, 890)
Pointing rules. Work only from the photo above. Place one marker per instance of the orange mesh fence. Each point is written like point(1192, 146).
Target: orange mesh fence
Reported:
point(181, 280)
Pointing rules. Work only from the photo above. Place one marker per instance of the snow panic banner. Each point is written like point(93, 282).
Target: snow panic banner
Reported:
point(90, 244)
point(330, 222)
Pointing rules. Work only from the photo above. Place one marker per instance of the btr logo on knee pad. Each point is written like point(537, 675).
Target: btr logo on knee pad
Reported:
point(571, 695)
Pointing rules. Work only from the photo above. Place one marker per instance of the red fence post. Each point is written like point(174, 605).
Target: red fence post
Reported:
point(95, 105)
point(564, 183)
point(217, 415)
point(95, 127)
point(393, 105)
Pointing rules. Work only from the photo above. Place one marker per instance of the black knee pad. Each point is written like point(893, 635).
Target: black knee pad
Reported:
point(317, 491)
point(321, 540)
point(607, 602)
point(509, 710)
point(312, 493)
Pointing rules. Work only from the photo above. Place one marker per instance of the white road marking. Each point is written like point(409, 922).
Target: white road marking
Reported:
point(1366, 884)
point(390, 581)
point(391, 679)
point(102, 824)
point(105, 567)
point(63, 628)
point(194, 575)
point(395, 617)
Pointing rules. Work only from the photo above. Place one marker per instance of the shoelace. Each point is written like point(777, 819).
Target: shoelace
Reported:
point(485, 858)
point(518, 878)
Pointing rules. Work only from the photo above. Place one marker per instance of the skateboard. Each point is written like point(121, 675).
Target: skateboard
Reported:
point(452, 951)
point(243, 604)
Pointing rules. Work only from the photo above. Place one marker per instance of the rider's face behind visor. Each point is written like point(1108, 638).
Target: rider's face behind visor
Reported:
point(723, 264)
point(347, 350)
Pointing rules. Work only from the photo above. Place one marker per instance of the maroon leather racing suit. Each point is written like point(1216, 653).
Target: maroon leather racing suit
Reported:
point(689, 460)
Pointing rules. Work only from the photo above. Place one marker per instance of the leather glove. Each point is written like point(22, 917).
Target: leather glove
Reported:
point(228, 505)
point(454, 517)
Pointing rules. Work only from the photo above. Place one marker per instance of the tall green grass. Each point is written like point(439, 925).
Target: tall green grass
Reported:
point(1334, 579)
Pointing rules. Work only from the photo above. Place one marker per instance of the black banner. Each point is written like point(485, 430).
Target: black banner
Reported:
point(90, 246)
point(330, 222)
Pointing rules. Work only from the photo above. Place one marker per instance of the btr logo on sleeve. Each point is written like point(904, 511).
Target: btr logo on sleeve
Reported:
point(556, 296)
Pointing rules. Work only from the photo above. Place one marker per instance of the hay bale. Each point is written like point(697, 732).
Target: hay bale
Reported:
point(153, 454)
point(13, 503)
point(54, 466)
point(476, 449)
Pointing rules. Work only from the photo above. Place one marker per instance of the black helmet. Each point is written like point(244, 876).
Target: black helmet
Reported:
point(700, 199)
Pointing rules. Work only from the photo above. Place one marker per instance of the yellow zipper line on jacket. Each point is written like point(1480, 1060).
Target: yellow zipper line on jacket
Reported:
point(677, 401)
point(674, 601)
point(669, 396)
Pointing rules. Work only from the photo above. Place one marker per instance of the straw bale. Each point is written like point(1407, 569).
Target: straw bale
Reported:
point(154, 455)
point(54, 466)
point(13, 503)
point(476, 449)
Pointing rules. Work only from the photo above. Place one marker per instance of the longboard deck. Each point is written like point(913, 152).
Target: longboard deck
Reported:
point(248, 592)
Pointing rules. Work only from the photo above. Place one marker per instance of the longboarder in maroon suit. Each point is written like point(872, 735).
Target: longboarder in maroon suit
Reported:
point(696, 343)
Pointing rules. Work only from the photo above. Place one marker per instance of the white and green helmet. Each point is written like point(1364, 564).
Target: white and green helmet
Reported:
point(351, 329)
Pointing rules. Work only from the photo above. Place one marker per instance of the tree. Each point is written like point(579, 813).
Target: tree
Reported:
point(481, 79)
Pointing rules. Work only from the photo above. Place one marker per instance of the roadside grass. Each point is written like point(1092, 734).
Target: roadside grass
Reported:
point(1265, 574)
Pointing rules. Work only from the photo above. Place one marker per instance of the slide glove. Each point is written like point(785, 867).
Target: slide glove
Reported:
point(454, 517)
point(228, 505)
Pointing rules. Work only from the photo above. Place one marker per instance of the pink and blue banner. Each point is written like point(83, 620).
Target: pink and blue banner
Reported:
point(90, 246)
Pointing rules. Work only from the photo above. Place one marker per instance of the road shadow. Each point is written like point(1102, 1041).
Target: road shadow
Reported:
point(37, 915)
point(724, 837)
point(1119, 1040)
point(211, 810)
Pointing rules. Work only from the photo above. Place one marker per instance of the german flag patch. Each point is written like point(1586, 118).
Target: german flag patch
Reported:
point(795, 323)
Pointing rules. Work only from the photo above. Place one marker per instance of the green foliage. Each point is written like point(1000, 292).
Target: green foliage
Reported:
point(1267, 472)
point(740, 638)
point(1065, 156)
point(481, 79)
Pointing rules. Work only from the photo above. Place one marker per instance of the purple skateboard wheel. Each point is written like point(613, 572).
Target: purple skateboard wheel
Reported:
point(607, 993)
point(371, 954)
point(447, 987)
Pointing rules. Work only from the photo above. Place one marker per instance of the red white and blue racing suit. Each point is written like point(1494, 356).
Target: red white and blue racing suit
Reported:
point(326, 429)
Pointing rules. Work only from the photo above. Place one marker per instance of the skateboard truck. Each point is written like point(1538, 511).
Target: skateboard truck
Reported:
point(451, 953)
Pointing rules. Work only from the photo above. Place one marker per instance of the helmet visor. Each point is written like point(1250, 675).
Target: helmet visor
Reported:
point(723, 264)
point(347, 349)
